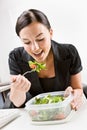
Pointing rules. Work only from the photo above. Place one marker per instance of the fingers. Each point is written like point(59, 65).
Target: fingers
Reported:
point(77, 99)
point(68, 91)
point(21, 83)
point(25, 84)
point(13, 78)
point(76, 103)
point(18, 90)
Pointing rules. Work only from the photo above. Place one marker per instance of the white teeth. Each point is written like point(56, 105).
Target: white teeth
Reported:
point(37, 53)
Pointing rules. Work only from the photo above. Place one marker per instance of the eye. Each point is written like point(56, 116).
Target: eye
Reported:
point(40, 39)
point(27, 43)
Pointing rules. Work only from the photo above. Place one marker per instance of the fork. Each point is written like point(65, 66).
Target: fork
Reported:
point(28, 72)
point(6, 85)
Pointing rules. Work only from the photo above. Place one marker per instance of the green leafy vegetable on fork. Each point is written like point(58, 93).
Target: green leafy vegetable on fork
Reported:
point(36, 66)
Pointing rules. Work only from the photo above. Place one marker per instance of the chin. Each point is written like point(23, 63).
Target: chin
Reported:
point(40, 60)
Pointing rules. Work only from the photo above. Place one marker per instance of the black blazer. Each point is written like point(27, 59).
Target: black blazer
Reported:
point(67, 62)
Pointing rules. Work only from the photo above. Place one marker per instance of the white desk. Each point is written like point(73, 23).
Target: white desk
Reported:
point(77, 122)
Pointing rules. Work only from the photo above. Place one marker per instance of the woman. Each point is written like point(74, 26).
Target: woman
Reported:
point(63, 64)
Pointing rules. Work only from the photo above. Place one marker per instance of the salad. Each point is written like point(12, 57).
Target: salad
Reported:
point(36, 66)
point(42, 111)
point(49, 99)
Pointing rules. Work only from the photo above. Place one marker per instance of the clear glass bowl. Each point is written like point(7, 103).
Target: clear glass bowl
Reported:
point(49, 112)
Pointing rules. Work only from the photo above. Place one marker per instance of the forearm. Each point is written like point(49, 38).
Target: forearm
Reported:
point(18, 90)
point(28, 97)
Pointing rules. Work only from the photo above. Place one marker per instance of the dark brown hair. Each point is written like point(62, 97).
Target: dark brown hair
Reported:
point(30, 16)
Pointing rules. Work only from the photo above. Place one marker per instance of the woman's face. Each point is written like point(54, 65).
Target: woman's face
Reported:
point(36, 40)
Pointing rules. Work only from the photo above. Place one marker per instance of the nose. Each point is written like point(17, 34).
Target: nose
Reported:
point(35, 46)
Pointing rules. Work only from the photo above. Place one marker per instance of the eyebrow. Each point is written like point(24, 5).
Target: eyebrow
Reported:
point(39, 34)
point(36, 36)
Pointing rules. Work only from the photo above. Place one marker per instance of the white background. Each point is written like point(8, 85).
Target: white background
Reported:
point(68, 19)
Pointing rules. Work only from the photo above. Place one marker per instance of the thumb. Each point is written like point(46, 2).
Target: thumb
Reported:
point(13, 78)
point(68, 91)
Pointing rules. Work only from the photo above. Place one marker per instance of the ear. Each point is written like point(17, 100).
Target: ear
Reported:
point(51, 33)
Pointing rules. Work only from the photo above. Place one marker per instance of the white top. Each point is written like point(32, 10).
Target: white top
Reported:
point(77, 122)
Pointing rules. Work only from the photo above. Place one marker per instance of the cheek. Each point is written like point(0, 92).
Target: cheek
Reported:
point(27, 48)
point(48, 47)
point(48, 43)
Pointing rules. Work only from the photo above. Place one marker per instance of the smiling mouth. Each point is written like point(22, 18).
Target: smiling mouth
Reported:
point(38, 54)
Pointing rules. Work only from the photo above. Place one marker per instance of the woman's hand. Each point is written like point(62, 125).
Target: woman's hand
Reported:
point(77, 97)
point(20, 85)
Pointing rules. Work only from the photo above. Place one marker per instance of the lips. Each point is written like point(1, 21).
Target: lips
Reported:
point(39, 55)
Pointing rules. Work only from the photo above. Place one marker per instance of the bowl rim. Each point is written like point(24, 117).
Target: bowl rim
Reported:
point(64, 103)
